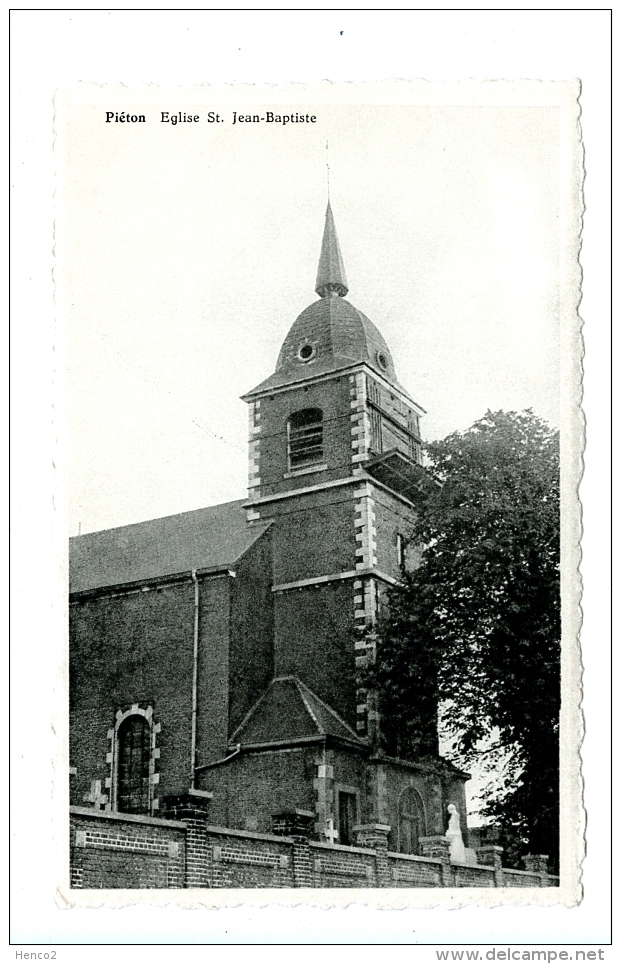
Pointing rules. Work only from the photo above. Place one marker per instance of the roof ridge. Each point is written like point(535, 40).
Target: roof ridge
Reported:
point(251, 710)
point(309, 709)
point(327, 707)
point(159, 518)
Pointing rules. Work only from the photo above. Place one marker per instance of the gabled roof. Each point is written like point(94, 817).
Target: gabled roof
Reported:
point(210, 538)
point(288, 711)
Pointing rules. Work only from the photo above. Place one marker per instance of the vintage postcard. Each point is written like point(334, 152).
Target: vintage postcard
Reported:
point(323, 444)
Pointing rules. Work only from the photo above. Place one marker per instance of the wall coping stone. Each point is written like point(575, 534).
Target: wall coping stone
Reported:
point(126, 817)
point(296, 811)
point(251, 835)
point(522, 873)
point(416, 858)
point(319, 845)
point(373, 826)
point(203, 794)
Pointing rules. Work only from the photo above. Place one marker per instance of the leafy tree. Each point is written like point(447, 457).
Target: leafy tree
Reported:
point(475, 628)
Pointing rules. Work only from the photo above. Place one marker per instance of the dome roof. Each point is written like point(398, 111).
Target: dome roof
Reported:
point(332, 334)
point(329, 335)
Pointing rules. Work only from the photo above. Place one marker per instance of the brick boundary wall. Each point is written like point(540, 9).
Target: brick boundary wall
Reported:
point(121, 850)
point(114, 850)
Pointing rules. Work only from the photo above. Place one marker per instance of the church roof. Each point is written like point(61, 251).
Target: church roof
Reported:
point(288, 711)
point(331, 270)
point(209, 538)
point(331, 334)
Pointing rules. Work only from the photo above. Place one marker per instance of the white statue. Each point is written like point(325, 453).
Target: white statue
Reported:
point(458, 850)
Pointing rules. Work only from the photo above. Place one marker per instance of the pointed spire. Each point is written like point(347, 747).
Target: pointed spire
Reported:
point(331, 278)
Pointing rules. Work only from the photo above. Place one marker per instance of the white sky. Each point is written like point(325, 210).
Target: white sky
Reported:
point(188, 252)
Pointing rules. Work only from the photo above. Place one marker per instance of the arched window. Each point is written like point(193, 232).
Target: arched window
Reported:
point(305, 438)
point(134, 757)
point(411, 821)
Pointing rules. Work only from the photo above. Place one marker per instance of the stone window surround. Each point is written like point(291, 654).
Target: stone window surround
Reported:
point(410, 787)
point(345, 788)
point(112, 757)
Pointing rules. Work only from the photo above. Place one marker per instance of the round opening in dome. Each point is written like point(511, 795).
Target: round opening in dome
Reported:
point(382, 361)
point(306, 352)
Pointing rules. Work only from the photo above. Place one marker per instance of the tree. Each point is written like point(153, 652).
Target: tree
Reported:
point(475, 627)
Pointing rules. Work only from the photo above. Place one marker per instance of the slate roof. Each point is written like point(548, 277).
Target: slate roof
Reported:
point(331, 270)
point(341, 337)
point(209, 538)
point(288, 711)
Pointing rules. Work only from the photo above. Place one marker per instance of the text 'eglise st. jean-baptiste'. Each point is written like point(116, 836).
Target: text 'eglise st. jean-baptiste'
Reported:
point(211, 117)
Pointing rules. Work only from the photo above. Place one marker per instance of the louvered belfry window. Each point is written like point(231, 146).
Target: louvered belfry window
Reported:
point(305, 438)
point(134, 747)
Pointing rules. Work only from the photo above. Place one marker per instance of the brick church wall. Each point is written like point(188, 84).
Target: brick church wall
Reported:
point(436, 793)
point(131, 648)
point(391, 517)
point(332, 397)
point(251, 653)
point(313, 535)
point(213, 669)
point(249, 789)
point(314, 640)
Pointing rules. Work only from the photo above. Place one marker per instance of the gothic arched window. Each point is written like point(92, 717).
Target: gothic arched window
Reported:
point(411, 821)
point(134, 757)
point(305, 438)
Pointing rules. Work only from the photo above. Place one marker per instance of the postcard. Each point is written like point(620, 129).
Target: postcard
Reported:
point(324, 440)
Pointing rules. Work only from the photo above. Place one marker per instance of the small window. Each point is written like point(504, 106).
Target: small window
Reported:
point(401, 550)
point(347, 817)
point(134, 755)
point(305, 438)
point(306, 352)
point(411, 822)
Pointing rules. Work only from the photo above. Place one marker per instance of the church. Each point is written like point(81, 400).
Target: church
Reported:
point(218, 656)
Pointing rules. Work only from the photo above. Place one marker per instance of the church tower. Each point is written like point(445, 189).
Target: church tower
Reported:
point(335, 464)
point(217, 655)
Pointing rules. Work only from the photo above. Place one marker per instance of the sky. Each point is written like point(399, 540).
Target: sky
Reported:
point(186, 252)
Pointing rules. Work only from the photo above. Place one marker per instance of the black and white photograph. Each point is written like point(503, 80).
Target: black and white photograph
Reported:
point(322, 353)
point(310, 449)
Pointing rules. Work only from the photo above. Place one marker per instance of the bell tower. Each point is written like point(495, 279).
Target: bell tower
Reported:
point(335, 463)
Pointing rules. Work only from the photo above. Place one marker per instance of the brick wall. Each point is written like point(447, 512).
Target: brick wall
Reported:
point(251, 652)
point(338, 866)
point(332, 397)
point(249, 789)
point(240, 859)
point(391, 517)
point(131, 648)
point(314, 640)
point(213, 670)
point(313, 535)
point(407, 871)
point(123, 851)
point(136, 647)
